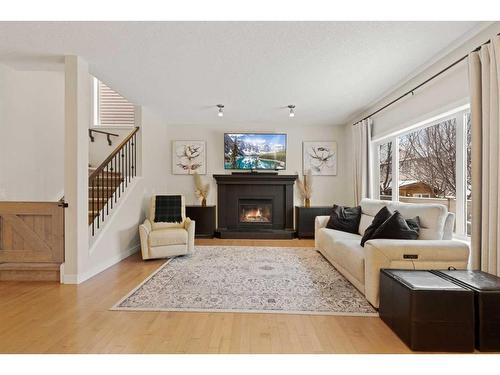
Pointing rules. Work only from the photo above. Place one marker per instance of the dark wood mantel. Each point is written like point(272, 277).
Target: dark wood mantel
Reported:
point(276, 188)
point(256, 178)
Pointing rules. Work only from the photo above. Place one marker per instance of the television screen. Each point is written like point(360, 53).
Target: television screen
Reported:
point(254, 151)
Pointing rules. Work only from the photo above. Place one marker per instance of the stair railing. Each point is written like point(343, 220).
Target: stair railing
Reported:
point(109, 181)
point(108, 135)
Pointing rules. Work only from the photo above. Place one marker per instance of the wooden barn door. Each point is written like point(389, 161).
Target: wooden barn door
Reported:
point(31, 240)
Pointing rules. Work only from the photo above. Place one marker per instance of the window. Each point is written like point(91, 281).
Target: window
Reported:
point(468, 188)
point(385, 171)
point(110, 108)
point(429, 162)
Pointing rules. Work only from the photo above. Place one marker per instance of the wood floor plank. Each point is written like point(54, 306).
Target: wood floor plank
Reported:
point(46, 317)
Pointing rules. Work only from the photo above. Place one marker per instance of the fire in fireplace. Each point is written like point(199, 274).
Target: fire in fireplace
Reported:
point(255, 213)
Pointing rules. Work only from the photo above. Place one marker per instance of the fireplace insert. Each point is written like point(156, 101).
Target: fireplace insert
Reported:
point(258, 211)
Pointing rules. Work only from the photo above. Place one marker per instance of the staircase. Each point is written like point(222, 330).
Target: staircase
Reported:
point(109, 180)
point(105, 187)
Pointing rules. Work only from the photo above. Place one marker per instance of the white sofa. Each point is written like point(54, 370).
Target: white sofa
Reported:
point(434, 248)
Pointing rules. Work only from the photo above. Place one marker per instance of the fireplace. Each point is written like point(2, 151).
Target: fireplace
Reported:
point(255, 211)
point(255, 205)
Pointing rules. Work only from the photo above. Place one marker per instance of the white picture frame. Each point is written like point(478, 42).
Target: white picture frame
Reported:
point(320, 157)
point(189, 157)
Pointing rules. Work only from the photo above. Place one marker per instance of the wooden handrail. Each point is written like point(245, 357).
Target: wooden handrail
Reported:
point(101, 167)
point(108, 135)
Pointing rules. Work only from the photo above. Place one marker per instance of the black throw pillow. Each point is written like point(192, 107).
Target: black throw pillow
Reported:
point(168, 209)
point(395, 228)
point(414, 224)
point(378, 220)
point(345, 219)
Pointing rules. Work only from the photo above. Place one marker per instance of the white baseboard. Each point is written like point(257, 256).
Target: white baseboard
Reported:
point(80, 278)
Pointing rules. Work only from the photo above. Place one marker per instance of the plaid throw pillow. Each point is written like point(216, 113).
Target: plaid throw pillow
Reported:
point(168, 209)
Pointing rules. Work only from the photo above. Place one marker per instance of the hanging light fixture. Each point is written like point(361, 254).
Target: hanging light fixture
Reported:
point(221, 110)
point(291, 108)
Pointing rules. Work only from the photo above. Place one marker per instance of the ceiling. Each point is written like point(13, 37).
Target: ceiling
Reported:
point(329, 70)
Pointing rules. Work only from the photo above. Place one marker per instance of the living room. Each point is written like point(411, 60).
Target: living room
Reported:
point(245, 185)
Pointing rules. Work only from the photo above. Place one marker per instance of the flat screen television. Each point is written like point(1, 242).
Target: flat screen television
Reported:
point(259, 151)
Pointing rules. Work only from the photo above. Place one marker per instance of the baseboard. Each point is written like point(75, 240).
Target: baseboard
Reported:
point(80, 278)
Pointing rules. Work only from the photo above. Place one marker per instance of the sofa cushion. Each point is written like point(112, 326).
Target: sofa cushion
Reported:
point(345, 219)
point(166, 237)
point(378, 220)
point(395, 227)
point(343, 249)
point(449, 225)
point(432, 216)
point(335, 235)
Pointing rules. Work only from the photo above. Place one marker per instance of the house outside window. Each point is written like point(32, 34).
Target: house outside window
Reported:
point(429, 162)
point(110, 108)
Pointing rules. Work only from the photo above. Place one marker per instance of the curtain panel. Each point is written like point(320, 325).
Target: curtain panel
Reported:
point(484, 73)
point(361, 135)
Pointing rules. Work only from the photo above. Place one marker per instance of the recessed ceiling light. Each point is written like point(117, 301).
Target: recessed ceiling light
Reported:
point(221, 110)
point(291, 108)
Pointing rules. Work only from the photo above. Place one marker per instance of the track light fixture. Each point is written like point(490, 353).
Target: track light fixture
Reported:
point(221, 110)
point(291, 108)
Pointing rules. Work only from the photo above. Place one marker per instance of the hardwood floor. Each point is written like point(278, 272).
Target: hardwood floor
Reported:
point(45, 317)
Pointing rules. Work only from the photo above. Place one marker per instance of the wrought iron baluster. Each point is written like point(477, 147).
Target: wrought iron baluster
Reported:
point(103, 196)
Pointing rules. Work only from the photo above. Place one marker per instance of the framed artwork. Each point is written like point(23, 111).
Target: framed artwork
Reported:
point(189, 157)
point(320, 158)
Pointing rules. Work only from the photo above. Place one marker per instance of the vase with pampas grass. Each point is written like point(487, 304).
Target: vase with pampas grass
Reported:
point(201, 190)
point(305, 188)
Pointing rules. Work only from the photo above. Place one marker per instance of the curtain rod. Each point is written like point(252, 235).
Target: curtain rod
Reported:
point(423, 83)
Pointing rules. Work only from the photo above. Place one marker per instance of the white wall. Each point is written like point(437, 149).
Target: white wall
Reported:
point(77, 116)
point(31, 135)
point(119, 236)
point(444, 93)
point(441, 94)
point(327, 189)
point(100, 149)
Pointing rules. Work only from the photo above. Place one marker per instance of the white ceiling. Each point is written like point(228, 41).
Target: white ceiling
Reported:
point(329, 70)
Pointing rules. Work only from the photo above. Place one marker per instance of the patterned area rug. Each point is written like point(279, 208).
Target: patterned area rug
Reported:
point(248, 279)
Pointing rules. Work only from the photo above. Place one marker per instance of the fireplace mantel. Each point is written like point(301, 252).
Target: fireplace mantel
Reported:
point(232, 189)
point(255, 178)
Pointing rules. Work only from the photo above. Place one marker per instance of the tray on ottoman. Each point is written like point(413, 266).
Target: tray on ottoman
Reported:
point(486, 290)
point(427, 312)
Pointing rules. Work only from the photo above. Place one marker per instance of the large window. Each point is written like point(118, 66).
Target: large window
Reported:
point(429, 162)
point(110, 108)
point(385, 170)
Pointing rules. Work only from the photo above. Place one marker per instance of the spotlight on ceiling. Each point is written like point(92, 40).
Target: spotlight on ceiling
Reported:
point(221, 110)
point(291, 108)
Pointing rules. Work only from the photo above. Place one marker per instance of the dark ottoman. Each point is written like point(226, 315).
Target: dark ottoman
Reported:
point(486, 290)
point(427, 312)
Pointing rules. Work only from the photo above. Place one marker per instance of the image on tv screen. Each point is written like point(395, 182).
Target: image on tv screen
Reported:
point(254, 151)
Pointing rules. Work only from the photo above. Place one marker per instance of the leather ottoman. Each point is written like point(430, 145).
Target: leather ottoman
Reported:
point(486, 290)
point(427, 312)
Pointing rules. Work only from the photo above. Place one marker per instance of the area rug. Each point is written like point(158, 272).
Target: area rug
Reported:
point(248, 279)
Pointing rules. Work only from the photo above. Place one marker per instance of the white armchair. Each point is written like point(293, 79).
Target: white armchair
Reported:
point(163, 239)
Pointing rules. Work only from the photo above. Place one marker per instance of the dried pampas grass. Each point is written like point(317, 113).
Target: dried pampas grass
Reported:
point(305, 185)
point(201, 190)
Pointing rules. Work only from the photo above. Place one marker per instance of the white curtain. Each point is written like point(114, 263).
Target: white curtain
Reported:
point(361, 134)
point(484, 72)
